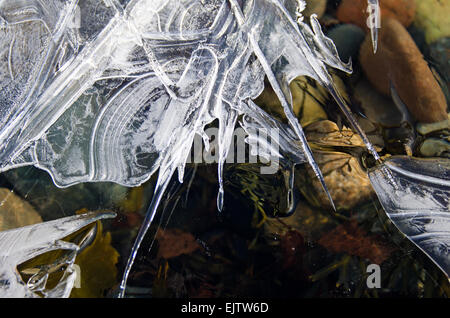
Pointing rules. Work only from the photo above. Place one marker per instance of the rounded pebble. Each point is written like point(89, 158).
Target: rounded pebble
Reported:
point(400, 62)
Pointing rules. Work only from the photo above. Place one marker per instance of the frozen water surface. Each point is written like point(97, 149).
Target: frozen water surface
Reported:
point(25, 243)
point(415, 194)
point(115, 90)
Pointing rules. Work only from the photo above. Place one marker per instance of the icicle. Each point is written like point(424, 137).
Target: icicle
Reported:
point(227, 123)
point(163, 182)
point(347, 112)
point(289, 180)
point(374, 21)
point(284, 103)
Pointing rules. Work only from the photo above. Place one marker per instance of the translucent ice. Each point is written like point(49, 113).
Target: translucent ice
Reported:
point(25, 243)
point(415, 194)
point(374, 21)
point(122, 92)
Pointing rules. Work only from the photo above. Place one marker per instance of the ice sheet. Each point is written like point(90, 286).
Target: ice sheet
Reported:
point(116, 90)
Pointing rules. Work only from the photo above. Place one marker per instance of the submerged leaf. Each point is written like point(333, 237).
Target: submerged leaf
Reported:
point(15, 212)
point(173, 243)
point(349, 238)
point(23, 246)
point(97, 264)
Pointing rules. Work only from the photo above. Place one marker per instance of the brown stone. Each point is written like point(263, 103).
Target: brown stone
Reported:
point(355, 11)
point(400, 62)
point(345, 179)
point(347, 182)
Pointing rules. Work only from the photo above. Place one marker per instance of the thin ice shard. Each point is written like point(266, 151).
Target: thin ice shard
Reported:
point(125, 94)
point(374, 21)
point(25, 243)
point(415, 194)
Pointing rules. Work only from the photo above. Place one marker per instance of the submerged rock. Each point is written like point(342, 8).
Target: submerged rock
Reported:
point(433, 16)
point(308, 99)
point(326, 134)
point(378, 108)
point(309, 222)
point(399, 62)
point(418, 36)
point(315, 7)
point(347, 38)
point(345, 179)
point(439, 53)
point(15, 212)
point(425, 129)
point(434, 147)
point(347, 182)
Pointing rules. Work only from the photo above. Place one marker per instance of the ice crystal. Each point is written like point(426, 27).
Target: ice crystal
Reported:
point(22, 244)
point(374, 21)
point(116, 90)
point(415, 194)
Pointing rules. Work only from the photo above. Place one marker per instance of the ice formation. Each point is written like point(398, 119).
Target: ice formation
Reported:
point(374, 21)
point(123, 91)
point(25, 243)
point(415, 194)
point(115, 90)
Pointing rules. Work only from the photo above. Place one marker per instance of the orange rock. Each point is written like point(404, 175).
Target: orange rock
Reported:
point(400, 62)
point(354, 11)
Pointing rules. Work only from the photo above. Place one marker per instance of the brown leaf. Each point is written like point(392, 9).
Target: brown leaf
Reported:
point(351, 239)
point(292, 246)
point(175, 242)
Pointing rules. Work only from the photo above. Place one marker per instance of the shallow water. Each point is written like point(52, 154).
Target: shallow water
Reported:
point(277, 236)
